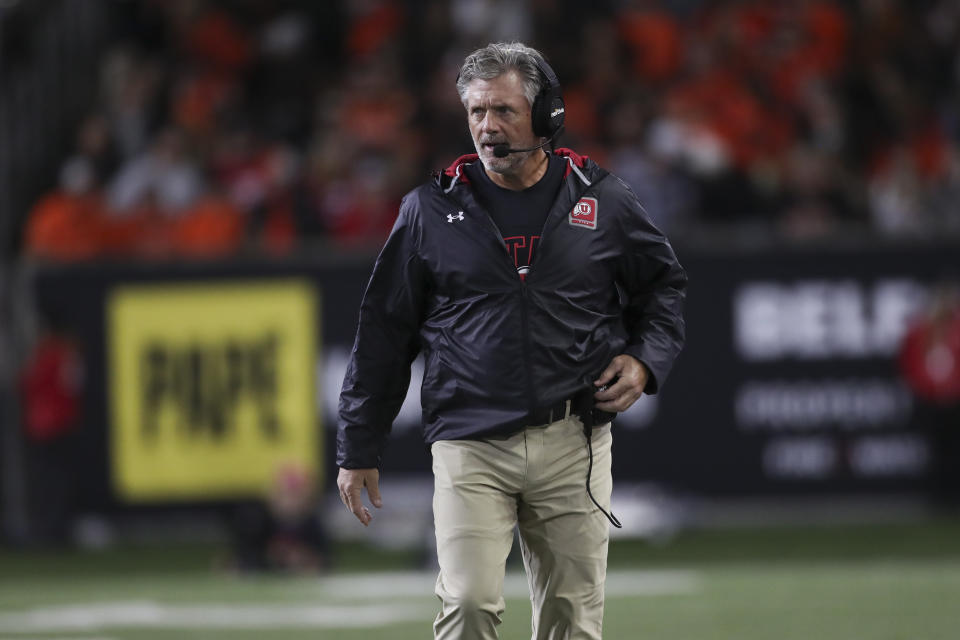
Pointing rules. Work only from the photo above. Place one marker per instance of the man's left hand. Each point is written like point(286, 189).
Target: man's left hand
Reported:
point(632, 378)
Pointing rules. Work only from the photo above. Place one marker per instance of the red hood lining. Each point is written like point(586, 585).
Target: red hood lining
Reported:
point(564, 152)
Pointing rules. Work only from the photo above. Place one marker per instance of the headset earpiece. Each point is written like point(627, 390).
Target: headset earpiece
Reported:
point(547, 111)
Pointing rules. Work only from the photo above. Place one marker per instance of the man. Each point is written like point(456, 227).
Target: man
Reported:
point(528, 352)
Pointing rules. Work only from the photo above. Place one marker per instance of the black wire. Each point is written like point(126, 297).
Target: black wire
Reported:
point(612, 518)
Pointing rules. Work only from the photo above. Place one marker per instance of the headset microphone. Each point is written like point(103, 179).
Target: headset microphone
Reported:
point(503, 149)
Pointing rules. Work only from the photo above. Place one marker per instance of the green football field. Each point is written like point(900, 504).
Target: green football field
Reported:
point(881, 582)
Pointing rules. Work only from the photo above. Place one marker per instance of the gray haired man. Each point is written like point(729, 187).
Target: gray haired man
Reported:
point(544, 301)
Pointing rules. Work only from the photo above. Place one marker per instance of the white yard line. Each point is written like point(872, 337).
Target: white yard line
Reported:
point(57, 638)
point(210, 616)
point(392, 591)
point(417, 583)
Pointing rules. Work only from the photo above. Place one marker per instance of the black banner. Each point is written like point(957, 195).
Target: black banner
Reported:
point(788, 383)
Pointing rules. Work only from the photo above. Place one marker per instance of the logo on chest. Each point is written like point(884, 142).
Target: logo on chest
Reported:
point(584, 213)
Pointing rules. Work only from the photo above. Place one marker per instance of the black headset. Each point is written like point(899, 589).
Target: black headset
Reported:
point(547, 112)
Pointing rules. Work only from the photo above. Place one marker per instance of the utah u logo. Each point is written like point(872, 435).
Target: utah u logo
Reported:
point(584, 213)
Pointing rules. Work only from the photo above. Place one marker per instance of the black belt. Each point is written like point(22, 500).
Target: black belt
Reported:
point(557, 411)
point(591, 417)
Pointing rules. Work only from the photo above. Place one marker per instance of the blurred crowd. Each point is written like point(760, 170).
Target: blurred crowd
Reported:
point(266, 126)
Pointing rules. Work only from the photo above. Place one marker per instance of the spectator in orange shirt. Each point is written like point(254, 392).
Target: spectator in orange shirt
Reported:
point(65, 224)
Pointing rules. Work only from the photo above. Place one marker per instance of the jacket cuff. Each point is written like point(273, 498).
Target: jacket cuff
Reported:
point(655, 376)
point(358, 463)
point(358, 451)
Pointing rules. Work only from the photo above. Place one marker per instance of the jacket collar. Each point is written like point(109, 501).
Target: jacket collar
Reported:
point(454, 174)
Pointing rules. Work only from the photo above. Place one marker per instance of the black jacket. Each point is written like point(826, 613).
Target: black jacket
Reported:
point(604, 281)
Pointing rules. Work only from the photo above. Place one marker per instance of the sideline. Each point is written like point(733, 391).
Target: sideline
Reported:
point(397, 588)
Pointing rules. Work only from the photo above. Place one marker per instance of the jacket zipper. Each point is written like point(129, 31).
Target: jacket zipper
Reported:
point(532, 395)
point(524, 313)
point(525, 324)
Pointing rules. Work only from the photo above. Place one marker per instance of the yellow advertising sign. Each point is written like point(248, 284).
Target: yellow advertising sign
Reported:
point(211, 387)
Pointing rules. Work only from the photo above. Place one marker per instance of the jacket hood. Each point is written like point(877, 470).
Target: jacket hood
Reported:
point(449, 177)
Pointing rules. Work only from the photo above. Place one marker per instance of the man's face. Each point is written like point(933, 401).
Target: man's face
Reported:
point(497, 111)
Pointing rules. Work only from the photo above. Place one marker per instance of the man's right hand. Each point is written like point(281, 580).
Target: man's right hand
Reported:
point(351, 483)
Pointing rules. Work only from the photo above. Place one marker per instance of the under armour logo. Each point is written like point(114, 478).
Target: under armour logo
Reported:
point(451, 217)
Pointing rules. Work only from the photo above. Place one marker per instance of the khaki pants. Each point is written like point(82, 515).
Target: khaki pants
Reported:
point(535, 480)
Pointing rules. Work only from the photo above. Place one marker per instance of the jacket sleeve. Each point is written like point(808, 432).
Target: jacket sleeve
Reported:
point(654, 284)
point(387, 341)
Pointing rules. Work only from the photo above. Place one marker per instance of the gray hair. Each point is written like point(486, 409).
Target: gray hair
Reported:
point(496, 59)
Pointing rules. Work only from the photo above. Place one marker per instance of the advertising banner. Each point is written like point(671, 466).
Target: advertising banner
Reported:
point(208, 376)
point(211, 387)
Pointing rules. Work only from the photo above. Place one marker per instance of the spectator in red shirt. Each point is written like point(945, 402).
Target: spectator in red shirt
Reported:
point(930, 364)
